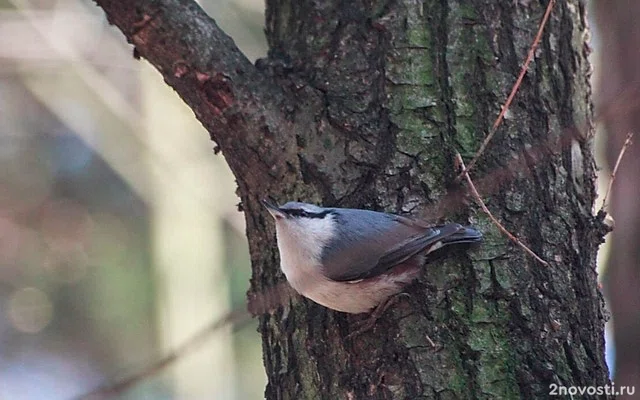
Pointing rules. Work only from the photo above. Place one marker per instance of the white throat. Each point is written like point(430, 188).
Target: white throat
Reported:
point(300, 243)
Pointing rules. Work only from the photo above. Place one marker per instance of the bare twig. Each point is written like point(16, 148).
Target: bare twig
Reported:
point(234, 317)
point(625, 145)
point(504, 230)
point(515, 88)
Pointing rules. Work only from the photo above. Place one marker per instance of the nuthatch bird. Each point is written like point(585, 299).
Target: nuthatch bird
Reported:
point(353, 260)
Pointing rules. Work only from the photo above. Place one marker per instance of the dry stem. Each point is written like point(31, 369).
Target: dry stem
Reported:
point(504, 230)
point(627, 143)
point(516, 86)
point(234, 317)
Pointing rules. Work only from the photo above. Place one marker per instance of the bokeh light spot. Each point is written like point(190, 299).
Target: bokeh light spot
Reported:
point(30, 310)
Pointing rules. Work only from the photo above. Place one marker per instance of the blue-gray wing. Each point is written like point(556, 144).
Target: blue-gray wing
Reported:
point(370, 243)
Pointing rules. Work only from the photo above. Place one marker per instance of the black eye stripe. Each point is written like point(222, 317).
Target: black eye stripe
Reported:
point(298, 212)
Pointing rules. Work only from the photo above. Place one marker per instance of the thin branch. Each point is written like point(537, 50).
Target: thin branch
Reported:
point(516, 86)
point(504, 230)
point(625, 146)
point(235, 317)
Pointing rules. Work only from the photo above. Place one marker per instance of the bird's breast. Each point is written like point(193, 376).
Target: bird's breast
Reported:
point(351, 296)
point(296, 264)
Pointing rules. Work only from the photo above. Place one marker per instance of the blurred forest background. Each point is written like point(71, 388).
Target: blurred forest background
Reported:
point(119, 231)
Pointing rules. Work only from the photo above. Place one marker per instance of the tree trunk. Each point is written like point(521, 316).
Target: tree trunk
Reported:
point(364, 104)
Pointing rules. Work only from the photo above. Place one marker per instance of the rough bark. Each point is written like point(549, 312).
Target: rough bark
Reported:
point(364, 104)
point(618, 108)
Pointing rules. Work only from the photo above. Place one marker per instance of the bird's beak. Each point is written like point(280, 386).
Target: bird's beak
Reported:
point(273, 208)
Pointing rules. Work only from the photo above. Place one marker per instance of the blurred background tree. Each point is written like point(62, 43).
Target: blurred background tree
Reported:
point(119, 233)
point(618, 111)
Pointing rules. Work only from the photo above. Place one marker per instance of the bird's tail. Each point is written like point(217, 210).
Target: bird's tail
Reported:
point(464, 234)
point(454, 236)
